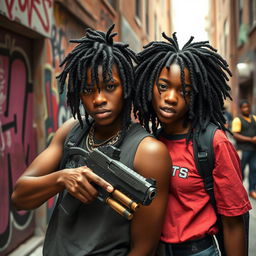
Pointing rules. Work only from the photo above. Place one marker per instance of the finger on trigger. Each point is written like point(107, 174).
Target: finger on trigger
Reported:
point(101, 182)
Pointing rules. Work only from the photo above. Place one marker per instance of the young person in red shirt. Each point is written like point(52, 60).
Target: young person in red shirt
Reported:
point(179, 90)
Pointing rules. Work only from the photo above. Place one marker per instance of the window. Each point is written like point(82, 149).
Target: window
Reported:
point(242, 26)
point(226, 33)
point(252, 10)
point(147, 16)
point(240, 14)
point(113, 3)
point(155, 27)
point(138, 9)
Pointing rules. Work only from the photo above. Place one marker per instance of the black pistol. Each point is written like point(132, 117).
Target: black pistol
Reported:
point(130, 188)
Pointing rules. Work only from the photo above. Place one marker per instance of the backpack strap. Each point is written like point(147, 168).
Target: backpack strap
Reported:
point(204, 160)
point(204, 157)
point(73, 139)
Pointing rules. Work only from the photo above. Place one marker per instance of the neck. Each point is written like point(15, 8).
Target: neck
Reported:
point(103, 132)
point(173, 129)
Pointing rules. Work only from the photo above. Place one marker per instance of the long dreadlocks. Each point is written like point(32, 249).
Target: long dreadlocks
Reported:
point(94, 49)
point(207, 70)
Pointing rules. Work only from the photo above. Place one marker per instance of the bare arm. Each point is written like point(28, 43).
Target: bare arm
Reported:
point(41, 180)
point(243, 138)
point(152, 160)
point(234, 235)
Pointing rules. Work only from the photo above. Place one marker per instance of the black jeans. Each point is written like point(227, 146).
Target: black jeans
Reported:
point(201, 247)
point(249, 157)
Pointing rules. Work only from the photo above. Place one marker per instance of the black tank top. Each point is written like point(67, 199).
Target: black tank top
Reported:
point(94, 229)
point(247, 129)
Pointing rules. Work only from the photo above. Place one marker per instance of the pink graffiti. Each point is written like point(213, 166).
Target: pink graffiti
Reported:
point(30, 7)
point(18, 138)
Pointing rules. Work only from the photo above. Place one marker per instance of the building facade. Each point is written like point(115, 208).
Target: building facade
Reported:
point(233, 31)
point(34, 39)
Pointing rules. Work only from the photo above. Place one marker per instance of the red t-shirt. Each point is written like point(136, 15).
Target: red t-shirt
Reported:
point(190, 214)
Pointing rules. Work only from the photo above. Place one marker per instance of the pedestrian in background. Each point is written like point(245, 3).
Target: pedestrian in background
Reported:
point(99, 74)
point(244, 130)
point(228, 118)
point(182, 91)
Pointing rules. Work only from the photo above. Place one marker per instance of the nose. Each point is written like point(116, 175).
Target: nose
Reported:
point(170, 97)
point(99, 98)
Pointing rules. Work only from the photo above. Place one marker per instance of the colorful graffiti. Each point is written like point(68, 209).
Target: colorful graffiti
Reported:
point(17, 137)
point(57, 111)
point(31, 13)
point(57, 48)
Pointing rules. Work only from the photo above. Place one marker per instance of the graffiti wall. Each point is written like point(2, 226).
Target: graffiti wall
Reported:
point(58, 46)
point(21, 99)
point(17, 136)
point(34, 14)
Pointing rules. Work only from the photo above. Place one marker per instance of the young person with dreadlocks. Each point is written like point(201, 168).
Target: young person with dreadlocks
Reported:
point(100, 75)
point(180, 91)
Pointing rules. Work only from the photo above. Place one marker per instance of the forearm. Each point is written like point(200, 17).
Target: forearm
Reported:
point(242, 138)
point(30, 192)
point(145, 236)
point(234, 239)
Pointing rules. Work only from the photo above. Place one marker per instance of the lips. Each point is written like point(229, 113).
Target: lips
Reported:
point(168, 110)
point(103, 113)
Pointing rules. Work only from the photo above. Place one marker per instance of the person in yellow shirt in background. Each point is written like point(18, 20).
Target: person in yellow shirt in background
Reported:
point(244, 130)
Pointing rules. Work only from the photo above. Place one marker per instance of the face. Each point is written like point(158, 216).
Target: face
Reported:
point(245, 109)
point(168, 99)
point(104, 102)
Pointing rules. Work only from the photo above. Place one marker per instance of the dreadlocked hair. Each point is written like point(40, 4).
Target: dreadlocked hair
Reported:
point(208, 75)
point(94, 49)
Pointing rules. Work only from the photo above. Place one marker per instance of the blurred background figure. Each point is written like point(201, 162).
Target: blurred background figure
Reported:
point(244, 130)
point(228, 117)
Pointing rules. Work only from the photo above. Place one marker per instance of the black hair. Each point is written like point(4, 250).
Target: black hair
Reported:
point(94, 49)
point(242, 102)
point(207, 71)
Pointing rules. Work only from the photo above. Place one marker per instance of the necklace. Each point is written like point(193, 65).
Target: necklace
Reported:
point(91, 144)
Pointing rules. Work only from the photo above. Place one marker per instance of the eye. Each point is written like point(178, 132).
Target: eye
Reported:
point(186, 92)
point(110, 87)
point(162, 87)
point(87, 91)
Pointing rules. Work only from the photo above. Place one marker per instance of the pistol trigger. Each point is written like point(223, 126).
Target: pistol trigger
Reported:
point(103, 194)
point(100, 198)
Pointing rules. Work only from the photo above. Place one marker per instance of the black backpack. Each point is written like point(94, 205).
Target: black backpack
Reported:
point(204, 160)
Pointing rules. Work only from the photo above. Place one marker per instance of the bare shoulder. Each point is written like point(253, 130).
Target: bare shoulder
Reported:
point(63, 131)
point(151, 145)
point(52, 153)
point(152, 155)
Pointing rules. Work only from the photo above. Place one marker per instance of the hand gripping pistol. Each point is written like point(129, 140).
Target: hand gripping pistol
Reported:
point(130, 188)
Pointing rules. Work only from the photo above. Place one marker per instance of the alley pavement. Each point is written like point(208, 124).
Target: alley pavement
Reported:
point(252, 227)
